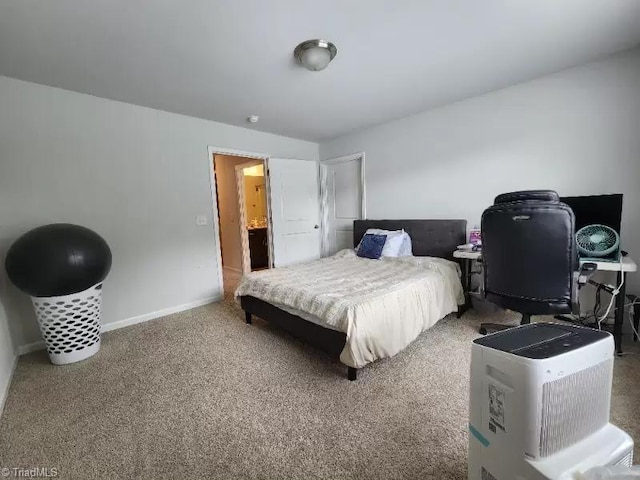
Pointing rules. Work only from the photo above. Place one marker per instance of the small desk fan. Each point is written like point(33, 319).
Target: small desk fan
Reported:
point(598, 241)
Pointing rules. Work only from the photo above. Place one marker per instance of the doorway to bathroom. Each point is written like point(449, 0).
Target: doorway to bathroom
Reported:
point(244, 223)
point(251, 188)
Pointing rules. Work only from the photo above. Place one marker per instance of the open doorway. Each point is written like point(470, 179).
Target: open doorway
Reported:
point(243, 216)
point(343, 198)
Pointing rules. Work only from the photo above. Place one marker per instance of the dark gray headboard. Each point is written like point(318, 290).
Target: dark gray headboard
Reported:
point(429, 238)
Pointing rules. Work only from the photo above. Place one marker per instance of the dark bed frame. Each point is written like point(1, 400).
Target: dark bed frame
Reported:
point(433, 238)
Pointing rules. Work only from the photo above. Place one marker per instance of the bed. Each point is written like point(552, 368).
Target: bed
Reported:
point(360, 309)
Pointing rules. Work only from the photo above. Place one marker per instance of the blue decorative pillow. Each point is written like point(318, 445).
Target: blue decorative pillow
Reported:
point(371, 246)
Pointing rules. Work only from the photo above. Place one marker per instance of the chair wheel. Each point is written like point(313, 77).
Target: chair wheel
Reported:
point(482, 331)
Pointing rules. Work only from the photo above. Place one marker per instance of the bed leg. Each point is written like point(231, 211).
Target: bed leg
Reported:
point(247, 317)
point(352, 373)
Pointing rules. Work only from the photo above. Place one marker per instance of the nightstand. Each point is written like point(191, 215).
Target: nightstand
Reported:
point(466, 259)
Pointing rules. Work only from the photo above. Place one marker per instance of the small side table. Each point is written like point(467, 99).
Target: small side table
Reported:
point(466, 261)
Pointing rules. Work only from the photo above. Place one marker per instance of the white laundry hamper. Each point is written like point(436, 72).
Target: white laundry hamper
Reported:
point(70, 324)
point(62, 266)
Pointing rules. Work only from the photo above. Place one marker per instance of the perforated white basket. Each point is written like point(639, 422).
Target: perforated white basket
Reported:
point(70, 324)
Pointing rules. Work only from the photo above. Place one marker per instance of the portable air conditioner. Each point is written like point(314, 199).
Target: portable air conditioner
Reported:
point(539, 404)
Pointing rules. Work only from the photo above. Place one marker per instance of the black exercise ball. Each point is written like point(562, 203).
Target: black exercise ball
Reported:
point(58, 259)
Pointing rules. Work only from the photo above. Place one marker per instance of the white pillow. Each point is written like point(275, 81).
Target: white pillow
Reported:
point(406, 247)
point(394, 242)
point(393, 245)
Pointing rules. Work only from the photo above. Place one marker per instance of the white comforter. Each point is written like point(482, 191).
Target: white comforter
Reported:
point(382, 305)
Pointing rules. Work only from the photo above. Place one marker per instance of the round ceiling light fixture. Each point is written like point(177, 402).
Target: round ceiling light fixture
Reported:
point(315, 55)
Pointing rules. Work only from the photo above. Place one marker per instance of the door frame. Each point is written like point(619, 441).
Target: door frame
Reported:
point(213, 150)
point(324, 194)
point(244, 234)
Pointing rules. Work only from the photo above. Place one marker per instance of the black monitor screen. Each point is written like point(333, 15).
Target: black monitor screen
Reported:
point(602, 209)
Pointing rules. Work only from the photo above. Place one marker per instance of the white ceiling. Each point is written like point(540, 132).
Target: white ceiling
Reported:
point(227, 59)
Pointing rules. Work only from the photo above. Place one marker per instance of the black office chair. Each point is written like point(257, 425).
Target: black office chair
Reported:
point(530, 257)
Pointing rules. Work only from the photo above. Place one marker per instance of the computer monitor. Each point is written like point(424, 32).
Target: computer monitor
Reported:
point(592, 209)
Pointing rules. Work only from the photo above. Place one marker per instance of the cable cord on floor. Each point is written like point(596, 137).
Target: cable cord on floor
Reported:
point(614, 294)
point(630, 315)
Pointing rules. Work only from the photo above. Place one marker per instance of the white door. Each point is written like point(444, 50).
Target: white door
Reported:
point(295, 210)
point(344, 202)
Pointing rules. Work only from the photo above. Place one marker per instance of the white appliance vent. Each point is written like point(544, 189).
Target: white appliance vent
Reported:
point(574, 407)
point(627, 460)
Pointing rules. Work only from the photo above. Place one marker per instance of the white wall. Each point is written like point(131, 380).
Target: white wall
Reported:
point(7, 357)
point(577, 131)
point(136, 176)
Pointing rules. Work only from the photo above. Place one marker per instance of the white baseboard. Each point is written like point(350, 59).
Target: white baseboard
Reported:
point(30, 347)
point(159, 313)
point(39, 345)
point(4, 389)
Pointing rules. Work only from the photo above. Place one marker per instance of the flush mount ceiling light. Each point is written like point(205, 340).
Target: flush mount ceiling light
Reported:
point(315, 55)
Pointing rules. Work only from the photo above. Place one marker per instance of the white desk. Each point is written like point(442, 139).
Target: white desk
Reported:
point(622, 268)
point(628, 265)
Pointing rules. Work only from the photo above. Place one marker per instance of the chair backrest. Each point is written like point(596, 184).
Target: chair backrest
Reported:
point(529, 253)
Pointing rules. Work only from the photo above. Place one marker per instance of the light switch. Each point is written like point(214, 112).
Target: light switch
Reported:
point(201, 220)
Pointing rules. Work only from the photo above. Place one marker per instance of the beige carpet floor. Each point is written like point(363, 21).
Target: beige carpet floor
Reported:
point(202, 395)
